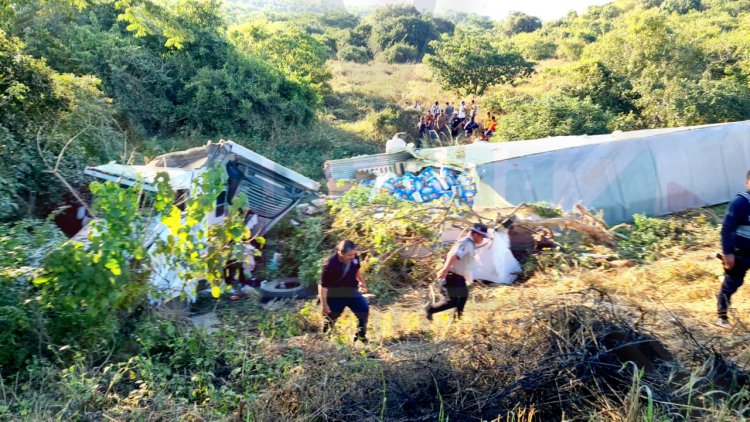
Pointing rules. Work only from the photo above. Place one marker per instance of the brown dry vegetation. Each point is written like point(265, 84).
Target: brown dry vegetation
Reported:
point(558, 346)
point(552, 348)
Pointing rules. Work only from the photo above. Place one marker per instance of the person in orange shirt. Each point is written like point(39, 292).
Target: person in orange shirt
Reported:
point(487, 121)
point(489, 130)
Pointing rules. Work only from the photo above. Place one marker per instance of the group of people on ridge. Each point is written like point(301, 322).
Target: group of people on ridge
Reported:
point(451, 121)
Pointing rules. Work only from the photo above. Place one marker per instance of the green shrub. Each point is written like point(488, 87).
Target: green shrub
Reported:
point(648, 237)
point(353, 53)
point(680, 6)
point(399, 53)
point(22, 245)
point(552, 114)
point(306, 250)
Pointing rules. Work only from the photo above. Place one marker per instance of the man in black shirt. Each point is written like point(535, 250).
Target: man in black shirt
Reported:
point(340, 286)
point(735, 243)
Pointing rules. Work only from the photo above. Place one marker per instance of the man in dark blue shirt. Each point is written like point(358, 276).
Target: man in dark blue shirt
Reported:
point(340, 286)
point(735, 245)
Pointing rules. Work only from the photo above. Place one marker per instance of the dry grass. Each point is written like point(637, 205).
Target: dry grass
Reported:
point(534, 352)
point(553, 348)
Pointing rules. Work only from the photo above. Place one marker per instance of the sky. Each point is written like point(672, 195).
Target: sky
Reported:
point(498, 9)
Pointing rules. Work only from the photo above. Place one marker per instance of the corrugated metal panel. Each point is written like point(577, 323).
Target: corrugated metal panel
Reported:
point(653, 172)
point(346, 169)
point(265, 202)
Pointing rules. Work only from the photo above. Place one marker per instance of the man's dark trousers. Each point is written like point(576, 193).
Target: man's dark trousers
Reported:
point(733, 279)
point(458, 294)
point(357, 304)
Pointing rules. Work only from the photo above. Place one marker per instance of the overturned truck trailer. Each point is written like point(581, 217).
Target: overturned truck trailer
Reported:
point(652, 172)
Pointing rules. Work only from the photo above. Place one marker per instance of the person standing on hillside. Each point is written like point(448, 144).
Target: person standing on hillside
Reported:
point(422, 131)
point(462, 110)
point(442, 123)
point(456, 124)
point(474, 109)
point(429, 120)
point(490, 130)
point(487, 121)
point(436, 108)
point(456, 273)
point(448, 109)
point(340, 286)
point(470, 127)
point(735, 245)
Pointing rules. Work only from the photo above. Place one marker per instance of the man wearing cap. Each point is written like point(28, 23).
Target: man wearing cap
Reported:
point(456, 272)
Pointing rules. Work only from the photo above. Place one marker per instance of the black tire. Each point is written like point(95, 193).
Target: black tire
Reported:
point(271, 290)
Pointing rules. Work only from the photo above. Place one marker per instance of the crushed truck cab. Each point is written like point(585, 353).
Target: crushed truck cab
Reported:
point(271, 191)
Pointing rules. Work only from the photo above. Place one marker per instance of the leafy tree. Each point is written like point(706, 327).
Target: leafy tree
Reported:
point(246, 94)
point(40, 111)
point(291, 50)
point(533, 45)
point(684, 102)
point(399, 53)
point(175, 21)
point(646, 44)
point(351, 53)
point(413, 30)
point(468, 65)
point(154, 86)
point(83, 292)
point(402, 24)
point(553, 114)
point(471, 20)
point(517, 23)
point(605, 88)
point(360, 35)
point(680, 6)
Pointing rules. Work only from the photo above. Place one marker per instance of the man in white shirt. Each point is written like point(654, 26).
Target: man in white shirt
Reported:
point(456, 272)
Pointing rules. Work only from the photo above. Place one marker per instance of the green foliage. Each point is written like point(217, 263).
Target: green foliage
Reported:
point(546, 210)
point(246, 94)
point(649, 237)
point(199, 251)
point(82, 292)
point(391, 231)
point(467, 64)
point(647, 46)
point(517, 23)
point(533, 45)
point(604, 87)
point(190, 365)
point(552, 114)
point(352, 53)
point(162, 90)
point(174, 21)
point(680, 6)
point(22, 245)
point(306, 250)
point(294, 52)
point(392, 25)
point(40, 112)
point(399, 53)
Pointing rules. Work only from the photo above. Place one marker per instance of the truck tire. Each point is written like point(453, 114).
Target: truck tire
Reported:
point(283, 288)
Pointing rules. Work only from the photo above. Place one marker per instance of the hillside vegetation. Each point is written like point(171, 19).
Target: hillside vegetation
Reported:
point(618, 333)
